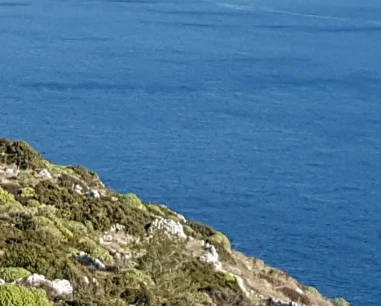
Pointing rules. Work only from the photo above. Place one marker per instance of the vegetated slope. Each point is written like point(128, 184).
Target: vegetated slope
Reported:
point(67, 239)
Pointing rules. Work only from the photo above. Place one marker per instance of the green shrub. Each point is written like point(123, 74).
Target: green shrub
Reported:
point(202, 229)
point(13, 295)
point(132, 200)
point(101, 253)
point(28, 192)
point(33, 203)
point(311, 289)
point(188, 231)
point(75, 227)
point(10, 274)
point(220, 239)
point(155, 209)
point(6, 197)
point(21, 154)
point(229, 277)
point(340, 302)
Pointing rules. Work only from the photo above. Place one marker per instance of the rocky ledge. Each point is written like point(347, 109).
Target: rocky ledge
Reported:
point(67, 239)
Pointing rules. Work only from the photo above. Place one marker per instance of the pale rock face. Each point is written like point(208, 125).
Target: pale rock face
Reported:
point(86, 280)
point(211, 256)
point(94, 193)
point(118, 228)
point(2, 282)
point(61, 287)
point(170, 226)
point(45, 173)
point(10, 171)
point(78, 188)
point(299, 290)
point(241, 285)
point(33, 280)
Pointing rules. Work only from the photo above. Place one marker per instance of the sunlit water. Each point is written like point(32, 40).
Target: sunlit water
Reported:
point(261, 118)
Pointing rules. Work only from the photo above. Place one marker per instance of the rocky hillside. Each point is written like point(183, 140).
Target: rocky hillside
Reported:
point(67, 239)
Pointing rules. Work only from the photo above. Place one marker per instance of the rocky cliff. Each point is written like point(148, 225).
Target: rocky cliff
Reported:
point(67, 239)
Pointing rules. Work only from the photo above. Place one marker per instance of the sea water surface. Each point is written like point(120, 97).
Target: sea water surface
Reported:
point(261, 118)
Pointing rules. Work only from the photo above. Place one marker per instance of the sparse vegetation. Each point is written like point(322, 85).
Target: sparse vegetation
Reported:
point(44, 223)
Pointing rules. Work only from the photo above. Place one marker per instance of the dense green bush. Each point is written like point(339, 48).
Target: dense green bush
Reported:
point(13, 295)
point(11, 273)
point(202, 229)
point(132, 200)
point(21, 154)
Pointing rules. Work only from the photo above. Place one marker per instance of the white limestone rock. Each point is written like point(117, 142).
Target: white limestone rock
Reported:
point(2, 282)
point(45, 173)
point(300, 291)
point(211, 256)
point(94, 194)
point(169, 226)
point(60, 287)
point(86, 280)
point(10, 171)
point(241, 285)
point(78, 188)
point(117, 228)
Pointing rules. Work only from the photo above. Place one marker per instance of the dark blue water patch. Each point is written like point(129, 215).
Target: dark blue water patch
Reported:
point(134, 1)
point(197, 13)
point(84, 39)
point(15, 4)
point(316, 29)
point(152, 88)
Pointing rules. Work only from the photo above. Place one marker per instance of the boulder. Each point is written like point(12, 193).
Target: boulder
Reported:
point(60, 287)
point(45, 173)
point(211, 256)
point(94, 194)
point(169, 226)
point(89, 261)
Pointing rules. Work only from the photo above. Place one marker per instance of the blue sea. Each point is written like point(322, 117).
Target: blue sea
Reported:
point(260, 118)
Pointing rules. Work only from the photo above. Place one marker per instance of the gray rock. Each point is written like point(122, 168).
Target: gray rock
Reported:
point(89, 261)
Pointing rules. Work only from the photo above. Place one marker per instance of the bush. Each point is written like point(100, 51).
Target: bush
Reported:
point(155, 209)
point(13, 295)
point(340, 302)
point(10, 274)
point(28, 192)
point(204, 230)
point(21, 154)
point(132, 200)
point(6, 197)
point(220, 239)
